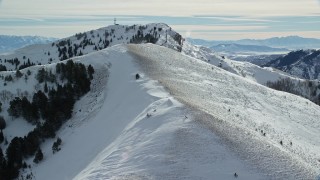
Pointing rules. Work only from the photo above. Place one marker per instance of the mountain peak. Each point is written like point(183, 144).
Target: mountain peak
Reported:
point(94, 40)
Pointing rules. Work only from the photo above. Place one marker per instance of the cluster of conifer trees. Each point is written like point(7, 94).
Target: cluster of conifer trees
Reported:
point(47, 110)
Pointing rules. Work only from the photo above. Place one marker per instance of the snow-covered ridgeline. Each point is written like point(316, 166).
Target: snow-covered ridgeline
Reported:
point(87, 42)
point(135, 129)
point(253, 108)
point(101, 141)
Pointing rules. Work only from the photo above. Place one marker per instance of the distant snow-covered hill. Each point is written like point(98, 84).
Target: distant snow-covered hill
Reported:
point(259, 60)
point(11, 43)
point(304, 64)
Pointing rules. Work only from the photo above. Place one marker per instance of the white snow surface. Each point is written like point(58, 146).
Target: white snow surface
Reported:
point(113, 137)
point(175, 123)
point(253, 108)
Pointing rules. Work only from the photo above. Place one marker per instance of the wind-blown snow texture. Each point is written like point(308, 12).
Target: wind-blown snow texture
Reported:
point(201, 140)
point(111, 136)
point(283, 117)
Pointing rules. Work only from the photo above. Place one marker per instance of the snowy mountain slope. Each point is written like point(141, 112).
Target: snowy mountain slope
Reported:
point(114, 126)
point(253, 108)
point(84, 43)
point(254, 72)
point(87, 42)
point(95, 40)
point(198, 141)
point(10, 43)
point(269, 75)
point(261, 75)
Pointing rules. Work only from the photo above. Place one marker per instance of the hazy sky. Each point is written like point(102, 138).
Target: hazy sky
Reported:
point(206, 19)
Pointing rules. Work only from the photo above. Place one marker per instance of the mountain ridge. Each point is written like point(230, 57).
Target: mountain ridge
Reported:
point(289, 42)
point(236, 48)
point(10, 43)
point(301, 63)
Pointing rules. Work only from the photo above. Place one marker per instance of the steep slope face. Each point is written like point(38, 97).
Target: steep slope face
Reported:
point(84, 43)
point(10, 43)
point(303, 64)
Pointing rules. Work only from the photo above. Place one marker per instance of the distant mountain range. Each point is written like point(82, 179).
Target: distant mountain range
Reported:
point(289, 42)
point(11, 43)
point(236, 48)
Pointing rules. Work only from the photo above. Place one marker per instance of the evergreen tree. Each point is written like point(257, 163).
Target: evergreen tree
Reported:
point(3, 123)
point(137, 76)
point(14, 153)
point(1, 137)
point(2, 159)
point(3, 68)
point(41, 76)
point(15, 108)
point(26, 78)
point(45, 88)
point(29, 111)
point(19, 74)
point(56, 146)
point(38, 157)
point(8, 78)
point(3, 164)
point(90, 71)
point(40, 100)
point(32, 142)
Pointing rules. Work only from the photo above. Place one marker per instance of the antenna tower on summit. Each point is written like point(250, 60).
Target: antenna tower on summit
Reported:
point(115, 21)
